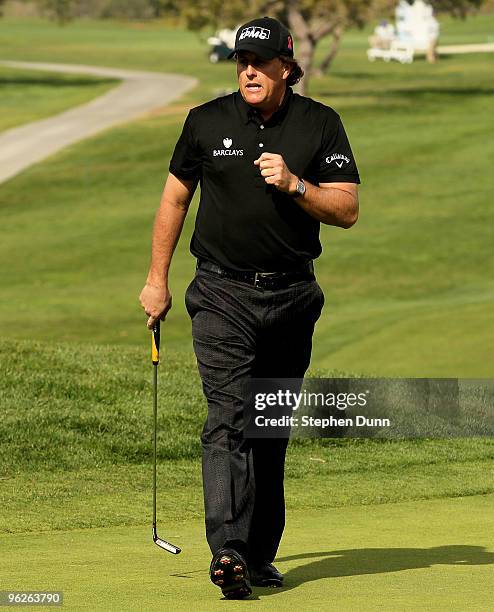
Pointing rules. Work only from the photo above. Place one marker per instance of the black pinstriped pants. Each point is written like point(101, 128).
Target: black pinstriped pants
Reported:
point(242, 332)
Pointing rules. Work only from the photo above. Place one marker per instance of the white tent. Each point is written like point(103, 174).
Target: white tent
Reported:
point(416, 30)
point(416, 24)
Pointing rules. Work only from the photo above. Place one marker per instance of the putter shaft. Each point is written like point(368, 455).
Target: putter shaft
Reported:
point(155, 358)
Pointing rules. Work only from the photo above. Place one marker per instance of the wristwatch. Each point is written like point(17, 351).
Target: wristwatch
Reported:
point(299, 189)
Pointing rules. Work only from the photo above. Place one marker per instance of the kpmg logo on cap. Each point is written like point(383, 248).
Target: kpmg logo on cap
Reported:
point(255, 32)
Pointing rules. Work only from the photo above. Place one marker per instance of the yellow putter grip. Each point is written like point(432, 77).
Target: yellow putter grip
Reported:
point(155, 343)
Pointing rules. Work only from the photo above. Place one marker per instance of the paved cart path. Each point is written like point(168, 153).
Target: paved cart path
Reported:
point(455, 49)
point(139, 93)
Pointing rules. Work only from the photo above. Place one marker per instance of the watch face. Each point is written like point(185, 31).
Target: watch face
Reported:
point(301, 187)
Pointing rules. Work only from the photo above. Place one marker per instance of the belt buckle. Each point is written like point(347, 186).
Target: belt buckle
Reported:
point(259, 276)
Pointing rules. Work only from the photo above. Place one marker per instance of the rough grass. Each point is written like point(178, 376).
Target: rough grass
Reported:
point(75, 445)
point(29, 95)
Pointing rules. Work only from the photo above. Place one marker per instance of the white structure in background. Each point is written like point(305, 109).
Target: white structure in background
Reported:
point(416, 24)
point(417, 30)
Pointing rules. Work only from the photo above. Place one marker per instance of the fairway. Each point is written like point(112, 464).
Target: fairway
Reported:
point(409, 289)
point(428, 555)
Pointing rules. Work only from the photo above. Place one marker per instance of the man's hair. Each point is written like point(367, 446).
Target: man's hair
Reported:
point(296, 72)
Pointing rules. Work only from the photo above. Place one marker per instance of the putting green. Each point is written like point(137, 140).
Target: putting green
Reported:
point(427, 555)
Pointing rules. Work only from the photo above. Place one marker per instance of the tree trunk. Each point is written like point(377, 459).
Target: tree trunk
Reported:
point(333, 51)
point(431, 53)
point(305, 57)
point(306, 45)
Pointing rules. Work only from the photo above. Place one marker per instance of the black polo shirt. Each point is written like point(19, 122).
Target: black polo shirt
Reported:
point(243, 223)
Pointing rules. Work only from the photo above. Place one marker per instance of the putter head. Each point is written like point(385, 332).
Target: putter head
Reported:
point(165, 545)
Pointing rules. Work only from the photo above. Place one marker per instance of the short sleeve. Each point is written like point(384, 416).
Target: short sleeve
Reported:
point(336, 163)
point(186, 159)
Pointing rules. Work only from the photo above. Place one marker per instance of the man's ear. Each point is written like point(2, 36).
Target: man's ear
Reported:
point(286, 70)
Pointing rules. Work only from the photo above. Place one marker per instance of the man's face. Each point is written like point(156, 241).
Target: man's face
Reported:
point(262, 82)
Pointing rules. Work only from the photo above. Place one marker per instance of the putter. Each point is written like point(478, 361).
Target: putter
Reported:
point(155, 356)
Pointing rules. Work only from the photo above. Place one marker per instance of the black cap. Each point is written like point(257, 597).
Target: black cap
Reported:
point(266, 37)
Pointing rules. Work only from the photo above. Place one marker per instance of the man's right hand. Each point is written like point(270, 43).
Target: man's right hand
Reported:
point(156, 302)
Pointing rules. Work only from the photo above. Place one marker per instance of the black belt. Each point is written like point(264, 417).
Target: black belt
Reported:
point(261, 280)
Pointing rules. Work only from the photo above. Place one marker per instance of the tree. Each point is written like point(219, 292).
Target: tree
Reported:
point(61, 10)
point(164, 8)
point(457, 8)
point(310, 21)
point(313, 20)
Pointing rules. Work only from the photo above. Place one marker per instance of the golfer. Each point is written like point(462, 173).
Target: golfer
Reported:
point(272, 165)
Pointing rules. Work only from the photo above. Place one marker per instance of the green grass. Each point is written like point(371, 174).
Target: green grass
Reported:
point(76, 445)
point(409, 289)
point(351, 475)
point(434, 555)
point(147, 46)
point(29, 95)
point(409, 292)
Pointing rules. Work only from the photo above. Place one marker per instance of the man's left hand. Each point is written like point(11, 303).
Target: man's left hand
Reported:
point(275, 172)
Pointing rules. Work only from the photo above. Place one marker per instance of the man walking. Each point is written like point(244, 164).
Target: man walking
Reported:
point(272, 165)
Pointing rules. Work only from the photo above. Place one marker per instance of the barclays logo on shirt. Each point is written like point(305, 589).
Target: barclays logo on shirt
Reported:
point(227, 142)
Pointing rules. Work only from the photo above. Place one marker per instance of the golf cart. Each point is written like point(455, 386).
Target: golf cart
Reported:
point(222, 44)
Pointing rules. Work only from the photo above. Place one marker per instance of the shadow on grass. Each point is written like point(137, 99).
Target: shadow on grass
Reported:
point(355, 75)
point(358, 562)
point(52, 81)
point(412, 93)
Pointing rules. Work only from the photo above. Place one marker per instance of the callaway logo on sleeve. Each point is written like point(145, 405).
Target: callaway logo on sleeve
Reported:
point(339, 159)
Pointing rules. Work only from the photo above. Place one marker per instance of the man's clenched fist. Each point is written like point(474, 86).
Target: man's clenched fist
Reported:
point(275, 172)
point(156, 302)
